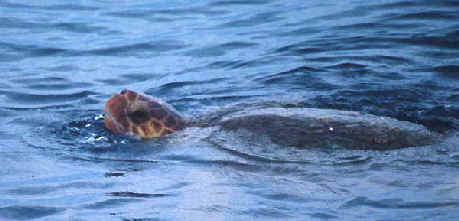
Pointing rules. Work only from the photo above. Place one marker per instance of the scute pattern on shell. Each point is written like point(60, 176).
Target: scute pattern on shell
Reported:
point(134, 113)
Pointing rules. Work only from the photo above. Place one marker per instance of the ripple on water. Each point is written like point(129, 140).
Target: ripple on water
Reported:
point(303, 77)
point(38, 100)
point(28, 212)
point(48, 86)
point(255, 20)
point(414, 103)
point(131, 78)
point(451, 71)
point(240, 2)
point(45, 92)
point(180, 87)
point(45, 189)
point(428, 15)
point(140, 49)
point(219, 50)
point(111, 203)
point(75, 27)
point(396, 203)
point(138, 195)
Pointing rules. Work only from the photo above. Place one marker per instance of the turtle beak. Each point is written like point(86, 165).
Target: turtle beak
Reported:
point(114, 109)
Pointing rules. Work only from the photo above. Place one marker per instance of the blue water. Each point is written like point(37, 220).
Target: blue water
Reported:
point(60, 61)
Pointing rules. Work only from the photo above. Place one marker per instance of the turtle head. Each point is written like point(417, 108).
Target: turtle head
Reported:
point(138, 111)
point(139, 114)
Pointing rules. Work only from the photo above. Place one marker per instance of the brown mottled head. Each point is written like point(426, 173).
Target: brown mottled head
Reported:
point(130, 112)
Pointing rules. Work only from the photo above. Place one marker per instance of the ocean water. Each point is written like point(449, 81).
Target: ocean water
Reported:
point(61, 60)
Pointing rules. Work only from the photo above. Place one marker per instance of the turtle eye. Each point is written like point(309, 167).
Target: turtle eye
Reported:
point(139, 116)
point(124, 91)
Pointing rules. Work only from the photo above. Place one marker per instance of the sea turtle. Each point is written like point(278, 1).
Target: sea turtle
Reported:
point(141, 115)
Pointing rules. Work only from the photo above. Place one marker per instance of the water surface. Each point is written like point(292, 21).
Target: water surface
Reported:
point(61, 60)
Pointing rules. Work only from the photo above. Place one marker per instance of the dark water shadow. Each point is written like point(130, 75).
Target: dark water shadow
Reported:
point(28, 212)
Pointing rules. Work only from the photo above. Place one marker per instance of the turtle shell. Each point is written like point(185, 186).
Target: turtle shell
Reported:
point(135, 113)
